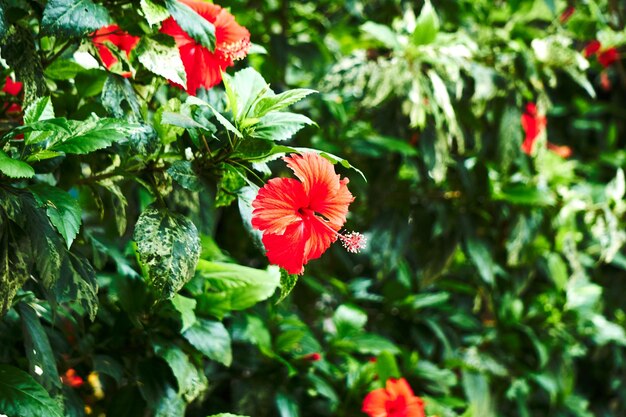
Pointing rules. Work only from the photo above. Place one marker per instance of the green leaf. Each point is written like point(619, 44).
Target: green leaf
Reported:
point(41, 360)
point(21, 395)
point(169, 248)
point(386, 367)
point(220, 118)
point(481, 257)
point(212, 339)
point(15, 266)
point(63, 210)
point(234, 287)
point(287, 284)
point(382, 33)
point(243, 90)
point(160, 55)
point(280, 101)
point(279, 126)
point(3, 23)
point(94, 134)
point(63, 69)
point(426, 26)
point(153, 12)
point(349, 320)
point(40, 109)
point(182, 172)
point(73, 18)
point(191, 381)
point(185, 306)
point(14, 168)
point(197, 27)
point(231, 182)
point(119, 98)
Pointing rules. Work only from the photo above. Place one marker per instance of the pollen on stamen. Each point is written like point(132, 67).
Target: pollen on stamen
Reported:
point(353, 242)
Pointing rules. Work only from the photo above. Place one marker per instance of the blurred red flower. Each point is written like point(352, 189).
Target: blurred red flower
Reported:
point(533, 124)
point(71, 379)
point(592, 48)
point(301, 219)
point(203, 67)
point(13, 88)
point(607, 57)
point(119, 38)
point(395, 400)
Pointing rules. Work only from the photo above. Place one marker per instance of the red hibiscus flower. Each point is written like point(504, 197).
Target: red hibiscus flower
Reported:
point(301, 219)
point(533, 124)
point(395, 400)
point(71, 379)
point(203, 67)
point(12, 88)
point(119, 38)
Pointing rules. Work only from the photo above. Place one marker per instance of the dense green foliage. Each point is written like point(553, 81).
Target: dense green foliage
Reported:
point(492, 276)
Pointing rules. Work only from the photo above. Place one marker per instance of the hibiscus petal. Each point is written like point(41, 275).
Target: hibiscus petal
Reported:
point(328, 195)
point(322, 236)
point(276, 205)
point(374, 403)
point(287, 250)
point(399, 388)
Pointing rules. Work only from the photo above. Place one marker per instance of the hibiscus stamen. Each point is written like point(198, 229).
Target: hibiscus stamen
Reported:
point(353, 241)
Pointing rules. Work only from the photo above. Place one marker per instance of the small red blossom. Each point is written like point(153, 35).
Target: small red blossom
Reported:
point(71, 379)
point(567, 13)
point(395, 400)
point(119, 38)
point(13, 88)
point(203, 67)
point(533, 124)
point(301, 219)
point(313, 357)
point(607, 57)
point(592, 48)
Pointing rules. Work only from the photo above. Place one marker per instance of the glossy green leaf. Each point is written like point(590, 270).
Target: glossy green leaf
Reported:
point(212, 339)
point(234, 287)
point(63, 210)
point(21, 395)
point(14, 168)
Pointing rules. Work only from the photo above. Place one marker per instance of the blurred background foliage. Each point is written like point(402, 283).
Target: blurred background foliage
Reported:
point(492, 275)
